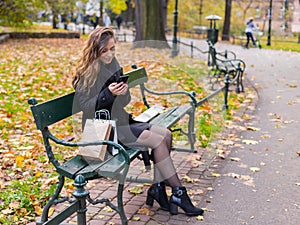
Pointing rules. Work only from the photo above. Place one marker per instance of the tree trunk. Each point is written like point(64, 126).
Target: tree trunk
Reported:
point(54, 21)
point(129, 13)
point(226, 26)
point(150, 31)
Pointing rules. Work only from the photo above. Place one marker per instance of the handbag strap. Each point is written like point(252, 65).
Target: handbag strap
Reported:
point(101, 112)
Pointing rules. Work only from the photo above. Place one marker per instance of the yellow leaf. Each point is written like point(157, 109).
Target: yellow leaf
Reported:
point(144, 211)
point(101, 216)
point(136, 190)
point(38, 210)
point(19, 161)
point(136, 218)
point(215, 175)
point(51, 211)
point(201, 218)
point(108, 209)
point(188, 179)
point(254, 169)
point(292, 85)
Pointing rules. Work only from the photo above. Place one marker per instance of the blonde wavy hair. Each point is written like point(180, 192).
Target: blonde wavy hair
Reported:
point(88, 64)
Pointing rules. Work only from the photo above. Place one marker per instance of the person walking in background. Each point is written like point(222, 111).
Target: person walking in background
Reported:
point(106, 20)
point(119, 21)
point(250, 27)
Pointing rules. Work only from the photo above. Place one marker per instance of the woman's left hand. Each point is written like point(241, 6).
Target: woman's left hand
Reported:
point(118, 88)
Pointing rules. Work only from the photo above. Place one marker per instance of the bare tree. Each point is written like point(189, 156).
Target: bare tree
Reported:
point(245, 5)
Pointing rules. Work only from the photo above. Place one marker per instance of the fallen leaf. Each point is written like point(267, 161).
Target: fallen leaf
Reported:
point(38, 210)
point(136, 190)
point(250, 142)
point(136, 218)
point(108, 209)
point(51, 211)
point(254, 169)
point(14, 205)
point(201, 218)
point(292, 85)
point(188, 179)
point(235, 159)
point(215, 175)
point(252, 128)
point(7, 211)
point(144, 211)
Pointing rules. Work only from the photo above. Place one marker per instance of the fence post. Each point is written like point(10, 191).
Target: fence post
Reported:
point(192, 49)
point(227, 82)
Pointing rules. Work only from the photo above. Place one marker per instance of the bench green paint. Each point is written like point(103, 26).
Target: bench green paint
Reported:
point(53, 111)
point(168, 119)
point(223, 63)
point(116, 167)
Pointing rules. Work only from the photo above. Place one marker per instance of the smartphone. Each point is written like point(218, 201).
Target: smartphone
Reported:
point(123, 78)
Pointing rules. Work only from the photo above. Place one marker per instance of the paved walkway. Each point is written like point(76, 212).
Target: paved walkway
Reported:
point(270, 195)
point(239, 195)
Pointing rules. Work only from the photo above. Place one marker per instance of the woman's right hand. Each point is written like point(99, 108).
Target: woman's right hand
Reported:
point(118, 88)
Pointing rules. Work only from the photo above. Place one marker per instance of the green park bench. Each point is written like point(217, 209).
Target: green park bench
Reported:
point(223, 63)
point(52, 112)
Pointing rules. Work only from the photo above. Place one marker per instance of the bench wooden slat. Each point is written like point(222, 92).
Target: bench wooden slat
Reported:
point(113, 166)
point(72, 167)
point(173, 115)
point(92, 169)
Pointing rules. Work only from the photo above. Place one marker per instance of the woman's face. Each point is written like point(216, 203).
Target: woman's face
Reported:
point(109, 52)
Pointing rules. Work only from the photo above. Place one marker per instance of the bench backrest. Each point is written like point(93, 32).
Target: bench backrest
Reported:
point(137, 77)
point(52, 111)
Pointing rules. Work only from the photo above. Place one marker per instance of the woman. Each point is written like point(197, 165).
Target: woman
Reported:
point(97, 87)
point(250, 27)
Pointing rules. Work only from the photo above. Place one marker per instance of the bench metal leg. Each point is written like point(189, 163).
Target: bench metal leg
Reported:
point(120, 204)
point(78, 206)
point(191, 130)
point(52, 200)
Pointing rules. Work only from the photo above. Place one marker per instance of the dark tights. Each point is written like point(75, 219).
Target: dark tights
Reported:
point(160, 141)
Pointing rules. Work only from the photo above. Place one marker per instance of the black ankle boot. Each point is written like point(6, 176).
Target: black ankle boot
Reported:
point(180, 198)
point(158, 192)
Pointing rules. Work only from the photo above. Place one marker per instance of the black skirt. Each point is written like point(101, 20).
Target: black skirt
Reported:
point(128, 134)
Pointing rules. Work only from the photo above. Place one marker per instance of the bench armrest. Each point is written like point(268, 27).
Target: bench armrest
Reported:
point(122, 151)
point(191, 94)
point(227, 54)
point(235, 63)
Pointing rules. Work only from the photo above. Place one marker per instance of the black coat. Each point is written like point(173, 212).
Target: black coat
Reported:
point(99, 96)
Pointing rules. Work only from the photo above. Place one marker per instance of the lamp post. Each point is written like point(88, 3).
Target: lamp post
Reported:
point(270, 24)
point(174, 45)
point(286, 8)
